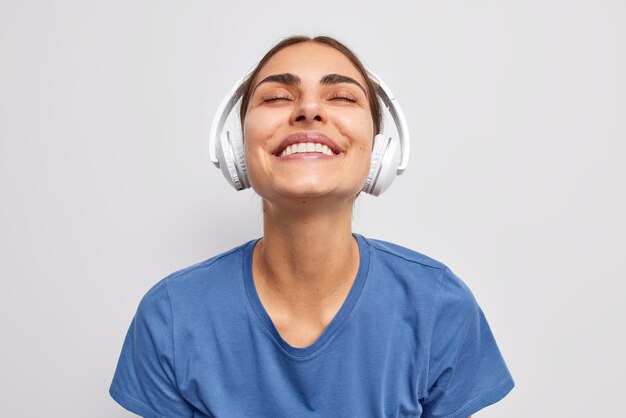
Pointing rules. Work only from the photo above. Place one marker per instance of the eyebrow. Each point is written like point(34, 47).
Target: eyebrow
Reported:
point(293, 80)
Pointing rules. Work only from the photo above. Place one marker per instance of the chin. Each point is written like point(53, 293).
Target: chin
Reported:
point(309, 191)
point(315, 191)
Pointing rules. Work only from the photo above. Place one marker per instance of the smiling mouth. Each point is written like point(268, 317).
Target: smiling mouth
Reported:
point(307, 144)
point(306, 147)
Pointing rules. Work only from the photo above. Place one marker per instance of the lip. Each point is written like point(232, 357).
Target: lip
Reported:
point(311, 136)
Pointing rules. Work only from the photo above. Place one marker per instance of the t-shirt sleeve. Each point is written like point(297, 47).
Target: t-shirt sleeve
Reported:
point(466, 370)
point(145, 378)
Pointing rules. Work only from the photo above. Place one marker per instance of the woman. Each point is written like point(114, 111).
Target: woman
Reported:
point(311, 319)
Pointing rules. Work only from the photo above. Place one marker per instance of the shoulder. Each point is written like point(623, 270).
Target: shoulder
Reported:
point(403, 254)
point(446, 287)
point(201, 270)
point(205, 279)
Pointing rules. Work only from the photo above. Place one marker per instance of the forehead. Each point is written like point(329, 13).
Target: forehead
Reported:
point(310, 60)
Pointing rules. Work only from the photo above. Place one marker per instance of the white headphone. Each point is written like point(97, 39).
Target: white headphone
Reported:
point(390, 155)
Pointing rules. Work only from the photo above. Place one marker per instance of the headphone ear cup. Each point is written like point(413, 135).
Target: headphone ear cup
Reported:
point(232, 159)
point(377, 151)
point(240, 158)
point(383, 168)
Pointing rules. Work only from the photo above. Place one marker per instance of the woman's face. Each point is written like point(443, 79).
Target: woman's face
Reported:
point(308, 94)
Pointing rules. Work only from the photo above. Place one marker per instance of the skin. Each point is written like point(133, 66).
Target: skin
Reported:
point(307, 260)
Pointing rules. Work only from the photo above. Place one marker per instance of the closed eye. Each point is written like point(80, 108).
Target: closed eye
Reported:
point(276, 98)
point(343, 97)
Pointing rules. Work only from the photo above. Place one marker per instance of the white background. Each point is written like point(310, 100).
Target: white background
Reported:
point(516, 181)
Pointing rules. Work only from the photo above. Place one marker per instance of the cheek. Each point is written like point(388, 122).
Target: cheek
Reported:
point(257, 133)
point(254, 132)
point(357, 120)
point(260, 124)
point(360, 130)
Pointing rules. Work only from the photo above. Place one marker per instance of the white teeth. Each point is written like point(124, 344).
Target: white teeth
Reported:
point(306, 147)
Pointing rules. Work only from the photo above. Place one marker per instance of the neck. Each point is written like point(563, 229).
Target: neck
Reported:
point(308, 254)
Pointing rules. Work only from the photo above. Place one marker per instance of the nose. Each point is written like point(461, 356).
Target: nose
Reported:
point(308, 109)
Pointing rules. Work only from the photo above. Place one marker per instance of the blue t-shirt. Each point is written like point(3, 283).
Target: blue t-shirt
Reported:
point(410, 340)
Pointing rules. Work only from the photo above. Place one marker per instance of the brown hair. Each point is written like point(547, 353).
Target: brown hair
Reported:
point(246, 87)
